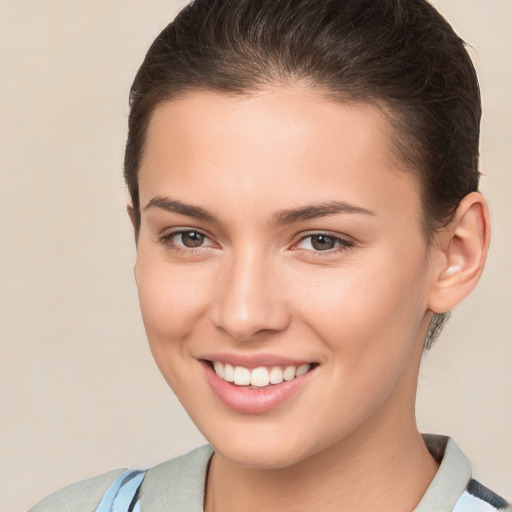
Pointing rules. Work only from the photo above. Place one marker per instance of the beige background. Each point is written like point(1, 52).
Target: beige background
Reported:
point(79, 392)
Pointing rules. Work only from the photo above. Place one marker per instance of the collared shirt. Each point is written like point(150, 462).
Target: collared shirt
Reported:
point(178, 486)
point(453, 489)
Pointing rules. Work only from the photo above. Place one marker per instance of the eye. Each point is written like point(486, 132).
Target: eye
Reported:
point(184, 239)
point(190, 238)
point(323, 242)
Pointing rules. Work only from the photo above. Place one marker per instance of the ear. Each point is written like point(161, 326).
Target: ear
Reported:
point(133, 219)
point(463, 249)
point(131, 213)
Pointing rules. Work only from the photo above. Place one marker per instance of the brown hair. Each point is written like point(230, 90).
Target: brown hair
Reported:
point(401, 55)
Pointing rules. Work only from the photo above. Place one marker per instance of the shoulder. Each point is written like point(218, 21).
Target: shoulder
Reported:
point(81, 496)
point(478, 498)
point(453, 487)
point(175, 485)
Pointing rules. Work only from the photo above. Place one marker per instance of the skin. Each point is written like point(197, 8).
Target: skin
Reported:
point(348, 440)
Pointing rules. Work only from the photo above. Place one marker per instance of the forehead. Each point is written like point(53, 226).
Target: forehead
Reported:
point(279, 145)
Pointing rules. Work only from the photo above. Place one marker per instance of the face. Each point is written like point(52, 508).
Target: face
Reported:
point(281, 248)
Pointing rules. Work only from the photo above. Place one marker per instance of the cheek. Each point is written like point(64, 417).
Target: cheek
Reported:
point(367, 314)
point(369, 322)
point(172, 301)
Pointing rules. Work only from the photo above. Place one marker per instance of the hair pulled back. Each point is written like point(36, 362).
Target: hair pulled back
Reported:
point(400, 55)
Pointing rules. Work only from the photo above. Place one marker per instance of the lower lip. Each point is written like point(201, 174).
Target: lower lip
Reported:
point(254, 401)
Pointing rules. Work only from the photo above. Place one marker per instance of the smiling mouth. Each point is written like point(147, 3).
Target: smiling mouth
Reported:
point(260, 377)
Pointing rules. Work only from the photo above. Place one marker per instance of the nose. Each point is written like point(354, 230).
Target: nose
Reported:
point(250, 298)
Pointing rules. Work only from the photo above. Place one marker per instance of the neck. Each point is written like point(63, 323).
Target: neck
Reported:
point(390, 473)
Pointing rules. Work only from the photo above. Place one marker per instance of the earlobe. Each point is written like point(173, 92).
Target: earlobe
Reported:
point(464, 246)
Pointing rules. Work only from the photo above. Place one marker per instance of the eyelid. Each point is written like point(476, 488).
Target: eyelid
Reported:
point(166, 239)
point(344, 242)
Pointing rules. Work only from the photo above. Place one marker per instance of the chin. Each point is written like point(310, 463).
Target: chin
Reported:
point(261, 450)
point(259, 457)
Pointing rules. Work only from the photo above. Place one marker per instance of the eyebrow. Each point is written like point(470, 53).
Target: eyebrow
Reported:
point(315, 211)
point(280, 218)
point(174, 206)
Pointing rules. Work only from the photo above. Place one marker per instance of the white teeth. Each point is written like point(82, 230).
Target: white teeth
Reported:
point(219, 369)
point(276, 375)
point(258, 377)
point(242, 376)
point(289, 373)
point(302, 369)
point(228, 373)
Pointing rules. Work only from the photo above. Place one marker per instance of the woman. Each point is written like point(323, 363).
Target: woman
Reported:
point(304, 195)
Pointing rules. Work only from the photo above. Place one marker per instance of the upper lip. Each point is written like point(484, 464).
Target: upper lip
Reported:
point(255, 360)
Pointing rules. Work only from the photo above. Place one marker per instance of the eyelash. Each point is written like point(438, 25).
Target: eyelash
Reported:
point(342, 243)
point(166, 240)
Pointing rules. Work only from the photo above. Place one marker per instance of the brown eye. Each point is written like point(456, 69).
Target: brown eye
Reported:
point(323, 242)
point(191, 238)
